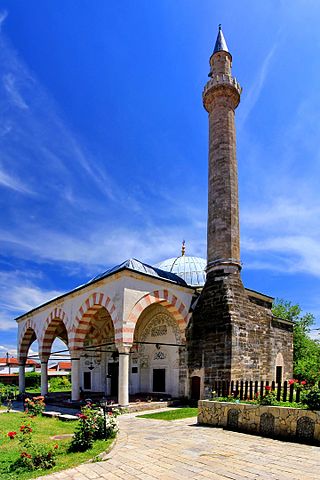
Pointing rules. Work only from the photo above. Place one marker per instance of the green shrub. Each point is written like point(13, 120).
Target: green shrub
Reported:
point(33, 379)
point(7, 392)
point(269, 398)
point(312, 398)
point(60, 383)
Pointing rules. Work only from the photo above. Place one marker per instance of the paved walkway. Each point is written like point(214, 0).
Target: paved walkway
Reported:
point(181, 450)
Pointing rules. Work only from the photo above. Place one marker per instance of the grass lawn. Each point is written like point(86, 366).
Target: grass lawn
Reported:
point(43, 429)
point(36, 390)
point(175, 414)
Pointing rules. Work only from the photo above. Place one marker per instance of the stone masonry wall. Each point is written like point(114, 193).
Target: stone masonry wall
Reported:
point(292, 423)
point(232, 337)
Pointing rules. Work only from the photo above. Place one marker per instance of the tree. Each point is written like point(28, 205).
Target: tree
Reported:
point(306, 351)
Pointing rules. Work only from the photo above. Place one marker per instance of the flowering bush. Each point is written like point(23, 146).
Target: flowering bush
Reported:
point(292, 381)
point(92, 425)
point(34, 406)
point(36, 457)
point(25, 429)
point(111, 426)
point(33, 456)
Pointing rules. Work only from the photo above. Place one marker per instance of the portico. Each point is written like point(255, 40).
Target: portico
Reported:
point(123, 324)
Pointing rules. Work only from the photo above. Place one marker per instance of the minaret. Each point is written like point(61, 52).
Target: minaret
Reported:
point(232, 334)
point(221, 97)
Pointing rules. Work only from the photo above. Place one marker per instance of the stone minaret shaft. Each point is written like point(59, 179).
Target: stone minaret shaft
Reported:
point(221, 96)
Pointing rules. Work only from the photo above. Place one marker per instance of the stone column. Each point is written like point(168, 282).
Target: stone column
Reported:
point(75, 377)
point(44, 377)
point(22, 378)
point(123, 388)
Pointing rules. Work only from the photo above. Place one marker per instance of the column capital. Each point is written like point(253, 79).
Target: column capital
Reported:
point(44, 358)
point(75, 354)
point(124, 348)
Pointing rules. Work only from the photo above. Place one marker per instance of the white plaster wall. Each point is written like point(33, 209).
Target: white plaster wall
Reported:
point(124, 289)
point(164, 357)
point(134, 290)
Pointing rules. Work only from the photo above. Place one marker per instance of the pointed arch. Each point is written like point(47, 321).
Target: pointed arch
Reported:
point(172, 303)
point(27, 335)
point(82, 321)
point(52, 322)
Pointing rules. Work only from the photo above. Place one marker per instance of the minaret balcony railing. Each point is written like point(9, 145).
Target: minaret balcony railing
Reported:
point(224, 79)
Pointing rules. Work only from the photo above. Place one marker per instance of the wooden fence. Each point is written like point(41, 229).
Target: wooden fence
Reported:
point(248, 390)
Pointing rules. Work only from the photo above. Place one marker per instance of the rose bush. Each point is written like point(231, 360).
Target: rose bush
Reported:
point(92, 425)
point(34, 406)
point(33, 456)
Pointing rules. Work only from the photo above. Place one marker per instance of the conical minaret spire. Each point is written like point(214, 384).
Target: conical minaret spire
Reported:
point(221, 44)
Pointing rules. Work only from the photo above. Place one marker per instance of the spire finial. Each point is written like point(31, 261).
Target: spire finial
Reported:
point(183, 248)
point(221, 44)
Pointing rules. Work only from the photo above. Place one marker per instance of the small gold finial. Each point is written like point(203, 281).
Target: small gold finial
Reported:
point(183, 248)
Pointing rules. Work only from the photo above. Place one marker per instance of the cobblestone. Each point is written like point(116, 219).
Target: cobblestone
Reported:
point(154, 449)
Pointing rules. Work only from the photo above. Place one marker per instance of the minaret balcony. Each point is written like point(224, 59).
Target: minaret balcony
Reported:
point(218, 80)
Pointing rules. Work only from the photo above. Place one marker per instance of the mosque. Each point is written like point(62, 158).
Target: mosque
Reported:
point(173, 328)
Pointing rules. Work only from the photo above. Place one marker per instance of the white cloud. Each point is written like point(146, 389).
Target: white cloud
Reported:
point(7, 321)
point(297, 253)
point(13, 183)
point(3, 16)
point(10, 84)
point(11, 349)
point(33, 129)
point(105, 246)
point(283, 212)
point(18, 294)
point(251, 98)
point(315, 334)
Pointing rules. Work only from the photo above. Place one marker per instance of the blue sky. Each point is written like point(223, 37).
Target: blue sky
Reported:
point(103, 141)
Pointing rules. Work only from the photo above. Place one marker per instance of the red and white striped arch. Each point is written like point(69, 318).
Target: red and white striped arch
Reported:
point(172, 303)
point(82, 321)
point(51, 323)
point(25, 338)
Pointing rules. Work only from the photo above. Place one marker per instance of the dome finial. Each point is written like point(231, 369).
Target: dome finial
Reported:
point(183, 248)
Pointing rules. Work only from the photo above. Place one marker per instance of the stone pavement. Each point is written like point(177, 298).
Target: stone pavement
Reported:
point(181, 450)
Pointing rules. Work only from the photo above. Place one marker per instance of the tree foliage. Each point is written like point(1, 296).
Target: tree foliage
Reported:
point(306, 351)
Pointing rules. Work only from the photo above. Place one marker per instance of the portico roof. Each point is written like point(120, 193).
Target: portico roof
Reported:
point(137, 266)
point(131, 264)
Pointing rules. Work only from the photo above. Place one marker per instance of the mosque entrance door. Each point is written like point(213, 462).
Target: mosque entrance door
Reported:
point(195, 388)
point(159, 380)
point(113, 371)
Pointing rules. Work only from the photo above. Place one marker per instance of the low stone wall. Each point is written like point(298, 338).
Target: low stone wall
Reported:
point(141, 406)
point(290, 423)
